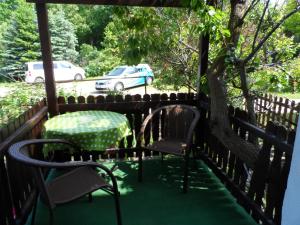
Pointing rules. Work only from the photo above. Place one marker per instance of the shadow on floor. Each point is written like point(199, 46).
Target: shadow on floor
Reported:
point(158, 200)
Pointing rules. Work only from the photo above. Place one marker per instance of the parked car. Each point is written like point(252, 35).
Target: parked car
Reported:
point(122, 77)
point(63, 70)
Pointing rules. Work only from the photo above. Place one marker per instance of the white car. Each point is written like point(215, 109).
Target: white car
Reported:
point(63, 71)
point(125, 77)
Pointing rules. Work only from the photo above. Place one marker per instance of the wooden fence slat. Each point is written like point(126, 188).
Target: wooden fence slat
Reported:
point(268, 107)
point(90, 99)
point(147, 99)
point(81, 99)
point(71, 100)
point(100, 99)
point(273, 206)
point(258, 181)
point(156, 119)
point(128, 98)
point(110, 98)
point(173, 97)
point(285, 109)
point(61, 100)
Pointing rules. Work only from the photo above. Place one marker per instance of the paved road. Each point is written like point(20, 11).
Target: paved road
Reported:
point(3, 91)
point(86, 88)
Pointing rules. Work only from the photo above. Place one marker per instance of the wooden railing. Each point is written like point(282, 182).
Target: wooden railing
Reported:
point(259, 189)
point(16, 190)
point(135, 107)
point(282, 110)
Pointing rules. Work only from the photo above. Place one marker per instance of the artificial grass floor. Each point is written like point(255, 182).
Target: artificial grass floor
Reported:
point(158, 200)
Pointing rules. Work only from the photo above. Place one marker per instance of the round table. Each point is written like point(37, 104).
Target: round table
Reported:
point(89, 130)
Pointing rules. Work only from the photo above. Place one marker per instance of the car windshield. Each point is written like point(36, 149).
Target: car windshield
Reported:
point(116, 72)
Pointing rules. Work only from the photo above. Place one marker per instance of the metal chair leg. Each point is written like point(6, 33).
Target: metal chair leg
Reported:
point(186, 173)
point(140, 168)
point(118, 209)
point(51, 217)
point(34, 210)
point(90, 197)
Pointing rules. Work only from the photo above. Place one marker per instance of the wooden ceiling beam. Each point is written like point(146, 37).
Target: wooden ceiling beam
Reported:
point(143, 3)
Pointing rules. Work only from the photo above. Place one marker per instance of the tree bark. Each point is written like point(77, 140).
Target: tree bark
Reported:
point(245, 89)
point(220, 126)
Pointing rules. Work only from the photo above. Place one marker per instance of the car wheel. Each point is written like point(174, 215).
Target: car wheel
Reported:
point(78, 77)
point(119, 87)
point(149, 80)
point(39, 80)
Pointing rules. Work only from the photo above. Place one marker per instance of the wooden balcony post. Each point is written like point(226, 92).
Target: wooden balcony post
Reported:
point(203, 48)
point(42, 16)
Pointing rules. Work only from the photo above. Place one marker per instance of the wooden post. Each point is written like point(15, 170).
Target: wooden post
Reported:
point(204, 54)
point(203, 59)
point(42, 16)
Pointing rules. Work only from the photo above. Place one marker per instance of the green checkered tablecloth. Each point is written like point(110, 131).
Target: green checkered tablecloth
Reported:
point(90, 130)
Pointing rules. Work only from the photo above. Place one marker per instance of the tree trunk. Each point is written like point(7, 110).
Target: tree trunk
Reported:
point(245, 89)
point(220, 126)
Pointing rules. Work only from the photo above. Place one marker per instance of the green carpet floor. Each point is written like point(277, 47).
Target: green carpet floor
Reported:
point(156, 201)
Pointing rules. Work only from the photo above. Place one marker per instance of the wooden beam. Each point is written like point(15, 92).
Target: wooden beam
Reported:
point(145, 3)
point(27, 127)
point(204, 54)
point(42, 16)
point(202, 59)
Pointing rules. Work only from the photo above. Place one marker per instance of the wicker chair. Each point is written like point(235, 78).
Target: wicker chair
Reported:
point(79, 179)
point(176, 124)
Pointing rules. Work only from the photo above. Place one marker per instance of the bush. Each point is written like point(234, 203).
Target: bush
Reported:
point(283, 78)
point(97, 63)
point(19, 100)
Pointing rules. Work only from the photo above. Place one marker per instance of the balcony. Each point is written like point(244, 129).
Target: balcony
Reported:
point(223, 188)
point(158, 200)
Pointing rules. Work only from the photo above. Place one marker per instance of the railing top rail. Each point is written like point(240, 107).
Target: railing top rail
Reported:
point(261, 133)
point(26, 127)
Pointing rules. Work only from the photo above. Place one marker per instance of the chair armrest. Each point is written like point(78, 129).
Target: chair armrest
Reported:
point(15, 152)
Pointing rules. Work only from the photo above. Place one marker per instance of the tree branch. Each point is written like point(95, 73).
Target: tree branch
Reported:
point(235, 85)
point(172, 62)
point(188, 46)
point(260, 22)
point(252, 5)
point(255, 50)
point(188, 84)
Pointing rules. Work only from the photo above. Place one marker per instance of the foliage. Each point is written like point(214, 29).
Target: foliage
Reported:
point(97, 63)
point(66, 93)
point(292, 25)
point(6, 9)
point(90, 22)
point(19, 100)
point(167, 39)
point(162, 38)
point(63, 38)
point(20, 42)
point(281, 78)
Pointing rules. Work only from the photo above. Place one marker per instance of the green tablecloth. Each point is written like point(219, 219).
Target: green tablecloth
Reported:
point(89, 130)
